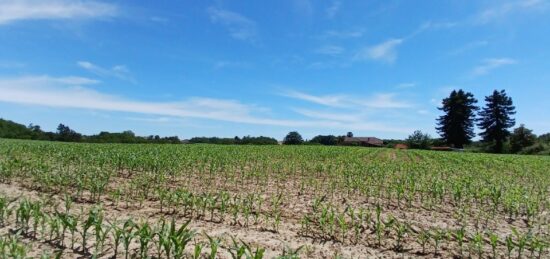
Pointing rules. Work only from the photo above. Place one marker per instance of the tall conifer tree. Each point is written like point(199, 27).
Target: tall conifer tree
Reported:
point(495, 119)
point(456, 126)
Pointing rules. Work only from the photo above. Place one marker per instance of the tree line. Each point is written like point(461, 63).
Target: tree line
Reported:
point(10, 129)
point(246, 140)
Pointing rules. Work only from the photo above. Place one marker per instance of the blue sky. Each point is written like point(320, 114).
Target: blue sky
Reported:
point(226, 68)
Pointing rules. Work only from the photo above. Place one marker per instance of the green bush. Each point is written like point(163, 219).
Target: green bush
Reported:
point(534, 149)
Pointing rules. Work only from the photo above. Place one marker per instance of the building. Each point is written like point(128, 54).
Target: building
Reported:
point(363, 141)
point(401, 146)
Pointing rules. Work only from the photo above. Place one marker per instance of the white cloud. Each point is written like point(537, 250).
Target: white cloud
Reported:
point(331, 50)
point(333, 9)
point(343, 34)
point(376, 101)
point(506, 8)
point(406, 85)
point(384, 101)
point(423, 112)
point(431, 25)
point(385, 51)
point(343, 117)
point(239, 26)
point(118, 71)
point(231, 64)
point(72, 93)
point(469, 46)
point(492, 63)
point(328, 100)
point(147, 119)
point(328, 64)
point(17, 10)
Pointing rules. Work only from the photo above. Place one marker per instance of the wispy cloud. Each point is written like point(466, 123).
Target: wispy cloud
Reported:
point(72, 93)
point(469, 46)
point(331, 50)
point(333, 9)
point(303, 7)
point(385, 51)
point(406, 85)
point(239, 26)
point(431, 25)
point(376, 101)
point(18, 10)
point(344, 34)
point(490, 64)
point(231, 64)
point(118, 71)
point(507, 8)
point(11, 65)
point(327, 100)
point(327, 115)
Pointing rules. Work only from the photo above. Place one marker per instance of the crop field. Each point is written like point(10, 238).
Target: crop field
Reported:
point(209, 201)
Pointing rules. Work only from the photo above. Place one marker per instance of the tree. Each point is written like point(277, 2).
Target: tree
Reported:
point(495, 119)
point(419, 140)
point(456, 126)
point(64, 133)
point(544, 138)
point(293, 138)
point(349, 135)
point(521, 138)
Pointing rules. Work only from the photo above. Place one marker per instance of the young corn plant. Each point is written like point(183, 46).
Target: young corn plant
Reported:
point(510, 245)
point(145, 235)
point(379, 226)
point(101, 234)
point(11, 247)
point(5, 209)
point(341, 218)
point(180, 237)
point(116, 234)
point(477, 243)
point(437, 235)
point(214, 243)
point(521, 240)
point(493, 240)
point(23, 215)
point(401, 229)
point(290, 253)
point(198, 250)
point(424, 238)
point(128, 235)
point(459, 235)
point(93, 216)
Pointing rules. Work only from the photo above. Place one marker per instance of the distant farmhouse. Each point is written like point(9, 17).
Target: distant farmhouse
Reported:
point(363, 141)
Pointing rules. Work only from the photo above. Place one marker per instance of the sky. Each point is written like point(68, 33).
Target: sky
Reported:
point(235, 68)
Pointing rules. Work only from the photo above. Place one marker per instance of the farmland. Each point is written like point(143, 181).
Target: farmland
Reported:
point(206, 201)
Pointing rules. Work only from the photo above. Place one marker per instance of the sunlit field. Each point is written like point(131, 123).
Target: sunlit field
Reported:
point(213, 201)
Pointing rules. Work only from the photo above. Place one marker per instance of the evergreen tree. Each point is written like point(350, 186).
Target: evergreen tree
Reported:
point(495, 119)
point(456, 126)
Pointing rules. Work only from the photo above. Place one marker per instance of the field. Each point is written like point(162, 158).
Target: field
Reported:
point(206, 201)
